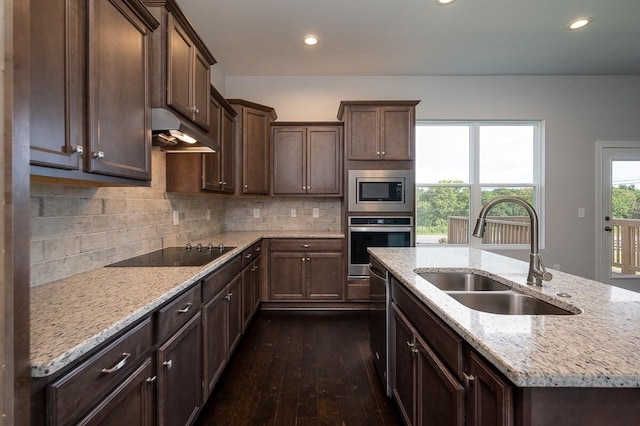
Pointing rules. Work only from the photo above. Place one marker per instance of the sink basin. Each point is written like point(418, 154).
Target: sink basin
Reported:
point(461, 281)
point(508, 303)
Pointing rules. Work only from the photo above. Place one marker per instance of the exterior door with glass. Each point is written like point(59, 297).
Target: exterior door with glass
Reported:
point(618, 232)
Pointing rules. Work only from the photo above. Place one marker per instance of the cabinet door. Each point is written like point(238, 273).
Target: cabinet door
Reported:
point(215, 340)
point(57, 95)
point(234, 294)
point(255, 152)
point(247, 295)
point(286, 275)
point(289, 160)
point(257, 284)
point(440, 397)
point(403, 366)
point(227, 154)
point(180, 68)
point(490, 396)
point(212, 162)
point(131, 403)
point(324, 160)
point(363, 133)
point(397, 133)
point(180, 376)
point(201, 85)
point(324, 276)
point(119, 103)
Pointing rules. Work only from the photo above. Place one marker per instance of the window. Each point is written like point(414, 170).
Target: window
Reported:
point(460, 166)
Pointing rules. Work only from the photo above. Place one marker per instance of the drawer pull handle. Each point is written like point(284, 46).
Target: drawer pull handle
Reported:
point(151, 379)
point(412, 347)
point(118, 366)
point(185, 309)
point(228, 296)
point(306, 245)
point(168, 364)
point(257, 248)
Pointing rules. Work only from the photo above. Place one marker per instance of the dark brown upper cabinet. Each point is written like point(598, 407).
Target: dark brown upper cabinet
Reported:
point(90, 101)
point(253, 159)
point(181, 64)
point(379, 130)
point(307, 159)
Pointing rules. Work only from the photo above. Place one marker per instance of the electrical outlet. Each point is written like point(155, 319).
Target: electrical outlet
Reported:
point(176, 218)
point(256, 213)
point(294, 213)
point(316, 212)
point(208, 214)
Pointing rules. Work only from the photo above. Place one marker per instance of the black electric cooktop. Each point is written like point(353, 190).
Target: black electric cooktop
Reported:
point(176, 256)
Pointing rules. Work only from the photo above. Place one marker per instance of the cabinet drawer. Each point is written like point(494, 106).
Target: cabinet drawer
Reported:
point(220, 278)
point(444, 341)
point(74, 393)
point(178, 312)
point(309, 244)
point(251, 253)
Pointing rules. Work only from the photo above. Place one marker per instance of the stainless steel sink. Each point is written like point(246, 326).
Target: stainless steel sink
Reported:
point(507, 303)
point(461, 281)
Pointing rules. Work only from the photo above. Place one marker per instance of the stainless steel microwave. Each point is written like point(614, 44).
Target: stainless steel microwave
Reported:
point(381, 191)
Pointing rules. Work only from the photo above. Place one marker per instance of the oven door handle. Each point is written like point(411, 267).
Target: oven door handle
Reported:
point(386, 229)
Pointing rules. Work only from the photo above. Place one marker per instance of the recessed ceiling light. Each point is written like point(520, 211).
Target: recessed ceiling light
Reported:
point(579, 23)
point(444, 2)
point(310, 40)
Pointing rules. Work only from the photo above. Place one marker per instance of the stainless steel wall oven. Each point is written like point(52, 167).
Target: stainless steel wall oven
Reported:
point(365, 232)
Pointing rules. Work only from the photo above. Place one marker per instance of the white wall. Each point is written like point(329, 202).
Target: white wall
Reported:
point(577, 111)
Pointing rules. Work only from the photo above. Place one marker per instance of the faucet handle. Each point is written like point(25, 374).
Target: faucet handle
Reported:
point(545, 276)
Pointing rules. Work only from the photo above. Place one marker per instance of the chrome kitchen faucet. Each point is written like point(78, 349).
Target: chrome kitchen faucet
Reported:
point(537, 271)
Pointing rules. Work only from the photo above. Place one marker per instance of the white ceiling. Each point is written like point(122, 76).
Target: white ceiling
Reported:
point(417, 37)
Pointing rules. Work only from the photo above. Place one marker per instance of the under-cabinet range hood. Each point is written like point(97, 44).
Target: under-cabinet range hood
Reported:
point(176, 135)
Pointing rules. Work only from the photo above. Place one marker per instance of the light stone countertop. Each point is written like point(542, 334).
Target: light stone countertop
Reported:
point(72, 316)
point(597, 348)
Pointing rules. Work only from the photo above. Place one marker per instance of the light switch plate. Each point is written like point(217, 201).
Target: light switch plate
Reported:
point(256, 213)
point(581, 212)
point(294, 213)
point(316, 212)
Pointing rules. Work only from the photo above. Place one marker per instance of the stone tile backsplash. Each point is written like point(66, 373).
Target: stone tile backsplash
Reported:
point(75, 229)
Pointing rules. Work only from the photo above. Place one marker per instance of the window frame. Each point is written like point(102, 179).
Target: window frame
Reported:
point(475, 187)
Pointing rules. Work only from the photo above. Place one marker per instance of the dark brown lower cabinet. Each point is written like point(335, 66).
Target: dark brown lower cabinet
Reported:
point(309, 270)
point(180, 376)
point(234, 295)
point(131, 403)
point(215, 341)
point(432, 382)
point(490, 397)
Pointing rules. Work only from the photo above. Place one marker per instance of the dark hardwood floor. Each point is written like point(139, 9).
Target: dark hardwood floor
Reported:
point(301, 368)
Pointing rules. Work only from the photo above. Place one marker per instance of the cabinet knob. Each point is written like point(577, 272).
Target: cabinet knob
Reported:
point(303, 259)
point(246, 186)
point(469, 379)
point(98, 155)
point(151, 379)
point(228, 296)
point(308, 259)
point(377, 152)
point(383, 153)
point(254, 268)
point(168, 364)
point(306, 245)
point(248, 256)
point(78, 149)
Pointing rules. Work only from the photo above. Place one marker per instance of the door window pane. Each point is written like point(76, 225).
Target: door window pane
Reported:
point(625, 212)
point(506, 154)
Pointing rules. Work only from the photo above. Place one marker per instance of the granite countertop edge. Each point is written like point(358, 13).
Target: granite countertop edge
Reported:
point(72, 316)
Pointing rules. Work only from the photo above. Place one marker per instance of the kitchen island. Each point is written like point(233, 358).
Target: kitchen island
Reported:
point(584, 365)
